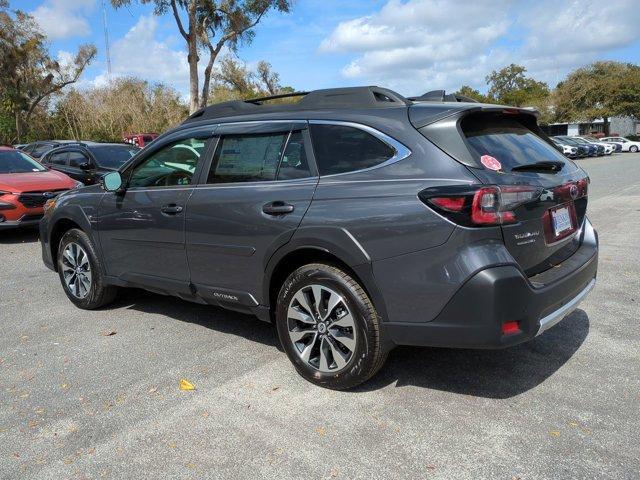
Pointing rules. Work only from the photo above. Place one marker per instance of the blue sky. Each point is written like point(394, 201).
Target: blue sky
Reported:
point(410, 45)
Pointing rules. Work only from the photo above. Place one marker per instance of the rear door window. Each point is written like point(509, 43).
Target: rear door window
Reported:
point(341, 149)
point(58, 158)
point(507, 140)
point(247, 158)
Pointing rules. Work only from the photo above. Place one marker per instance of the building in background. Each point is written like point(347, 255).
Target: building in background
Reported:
point(622, 126)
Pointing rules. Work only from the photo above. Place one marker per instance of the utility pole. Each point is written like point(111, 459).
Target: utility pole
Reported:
point(106, 39)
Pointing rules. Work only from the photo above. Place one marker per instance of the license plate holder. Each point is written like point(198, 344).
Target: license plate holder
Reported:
point(563, 220)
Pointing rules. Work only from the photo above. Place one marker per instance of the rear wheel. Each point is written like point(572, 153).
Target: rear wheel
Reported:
point(328, 327)
point(80, 272)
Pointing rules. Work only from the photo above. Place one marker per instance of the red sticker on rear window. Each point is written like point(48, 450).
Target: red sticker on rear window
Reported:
point(490, 162)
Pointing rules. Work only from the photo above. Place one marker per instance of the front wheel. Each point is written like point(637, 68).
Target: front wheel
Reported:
point(328, 327)
point(633, 149)
point(80, 272)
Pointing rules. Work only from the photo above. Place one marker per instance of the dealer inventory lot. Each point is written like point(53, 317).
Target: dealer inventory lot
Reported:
point(93, 393)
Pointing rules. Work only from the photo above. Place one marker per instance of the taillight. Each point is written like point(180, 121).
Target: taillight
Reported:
point(479, 206)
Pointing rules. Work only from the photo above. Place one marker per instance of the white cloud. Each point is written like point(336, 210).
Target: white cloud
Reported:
point(64, 18)
point(418, 45)
point(140, 53)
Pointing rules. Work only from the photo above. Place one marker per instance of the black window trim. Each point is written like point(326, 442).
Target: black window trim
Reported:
point(85, 153)
point(400, 150)
point(46, 158)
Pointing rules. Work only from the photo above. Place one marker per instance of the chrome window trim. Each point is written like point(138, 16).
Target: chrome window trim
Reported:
point(401, 151)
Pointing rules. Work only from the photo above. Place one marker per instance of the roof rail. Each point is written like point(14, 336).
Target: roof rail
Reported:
point(258, 101)
point(441, 96)
point(349, 97)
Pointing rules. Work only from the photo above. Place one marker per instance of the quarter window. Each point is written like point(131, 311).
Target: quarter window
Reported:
point(175, 164)
point(341, 149)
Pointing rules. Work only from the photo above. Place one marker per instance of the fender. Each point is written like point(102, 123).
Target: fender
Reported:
point(336, 241)
point(85, 216)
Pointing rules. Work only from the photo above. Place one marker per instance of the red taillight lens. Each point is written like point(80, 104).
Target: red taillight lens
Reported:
point(509, 328)
point(484, 206)
point(451, 204)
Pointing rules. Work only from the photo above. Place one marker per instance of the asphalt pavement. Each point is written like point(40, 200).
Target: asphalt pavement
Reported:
point(96, 394)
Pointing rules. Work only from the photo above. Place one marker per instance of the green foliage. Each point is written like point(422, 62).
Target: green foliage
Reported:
point(510, 86)
point(599, 90)
point(467, 91)
point(126, 105)
point(234, 81)
point(28, 73)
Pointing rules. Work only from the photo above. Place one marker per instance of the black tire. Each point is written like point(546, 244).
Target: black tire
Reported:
point(633, 149)
point(367, 357)
point(99, 294)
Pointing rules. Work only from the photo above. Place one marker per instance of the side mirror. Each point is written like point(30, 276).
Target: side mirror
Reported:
point(85, 166)
point(111, 182)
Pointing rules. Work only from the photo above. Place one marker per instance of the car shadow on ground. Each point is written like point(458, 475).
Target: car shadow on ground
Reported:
point(214, 318)
point(22, 235)
point(495, 374)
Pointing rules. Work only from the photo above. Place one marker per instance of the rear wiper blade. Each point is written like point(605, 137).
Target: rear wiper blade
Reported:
point(546, 166)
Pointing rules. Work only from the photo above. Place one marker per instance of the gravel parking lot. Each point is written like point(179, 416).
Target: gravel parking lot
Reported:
point(95, 394)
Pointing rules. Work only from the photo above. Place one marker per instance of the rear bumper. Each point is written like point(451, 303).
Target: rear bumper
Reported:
point(474, 316)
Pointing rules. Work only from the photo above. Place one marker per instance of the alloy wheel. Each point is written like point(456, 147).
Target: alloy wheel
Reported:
point(76, 270)
point(321, 328)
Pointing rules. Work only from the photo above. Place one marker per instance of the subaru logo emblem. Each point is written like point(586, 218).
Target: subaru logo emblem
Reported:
point(48, 194)
point(573, 191)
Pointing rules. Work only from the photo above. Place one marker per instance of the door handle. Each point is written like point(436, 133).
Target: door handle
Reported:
point(277, 208)
point(171, 209)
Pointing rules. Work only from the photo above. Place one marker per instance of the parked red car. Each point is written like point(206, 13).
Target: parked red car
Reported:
point(25, 186)
point(140, 139)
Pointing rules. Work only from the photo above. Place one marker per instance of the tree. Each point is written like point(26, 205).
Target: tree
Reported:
point(234, 81)
point(510, 86)
point(599, 90)
point(211, 25)
point(125, 105)
point(28, 74)
point(467, 91)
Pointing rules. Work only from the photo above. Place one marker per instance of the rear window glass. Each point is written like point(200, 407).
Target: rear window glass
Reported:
point(507, 140)
point(341, 149)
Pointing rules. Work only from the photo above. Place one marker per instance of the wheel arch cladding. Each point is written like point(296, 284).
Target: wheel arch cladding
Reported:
point(287, 260)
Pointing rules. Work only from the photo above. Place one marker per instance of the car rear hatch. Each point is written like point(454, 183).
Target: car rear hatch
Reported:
point(534, 193)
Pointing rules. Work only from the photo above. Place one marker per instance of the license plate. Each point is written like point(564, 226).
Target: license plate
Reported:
point(562, 222)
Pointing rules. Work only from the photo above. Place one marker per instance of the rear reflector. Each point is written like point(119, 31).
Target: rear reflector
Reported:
point(452, 204)
point(510, 328)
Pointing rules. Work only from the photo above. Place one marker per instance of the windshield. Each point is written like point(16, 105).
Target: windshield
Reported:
point(508, 141)
point(114, 156)
point(13, 161)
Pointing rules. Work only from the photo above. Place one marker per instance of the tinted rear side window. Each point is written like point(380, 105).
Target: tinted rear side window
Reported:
point(341, 149)
point(507, 140)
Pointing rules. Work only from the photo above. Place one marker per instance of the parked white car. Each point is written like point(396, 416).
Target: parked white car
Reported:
point(608, 148)
point(627, 145)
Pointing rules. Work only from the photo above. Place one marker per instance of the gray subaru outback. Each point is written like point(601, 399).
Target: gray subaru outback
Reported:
point(354, 219)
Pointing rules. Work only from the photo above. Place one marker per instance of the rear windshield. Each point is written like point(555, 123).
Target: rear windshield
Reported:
point(507, 140)
point(12, 161)
point(114, 156)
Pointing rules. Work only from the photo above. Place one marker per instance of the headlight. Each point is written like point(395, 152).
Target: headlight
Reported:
point(78, 185)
